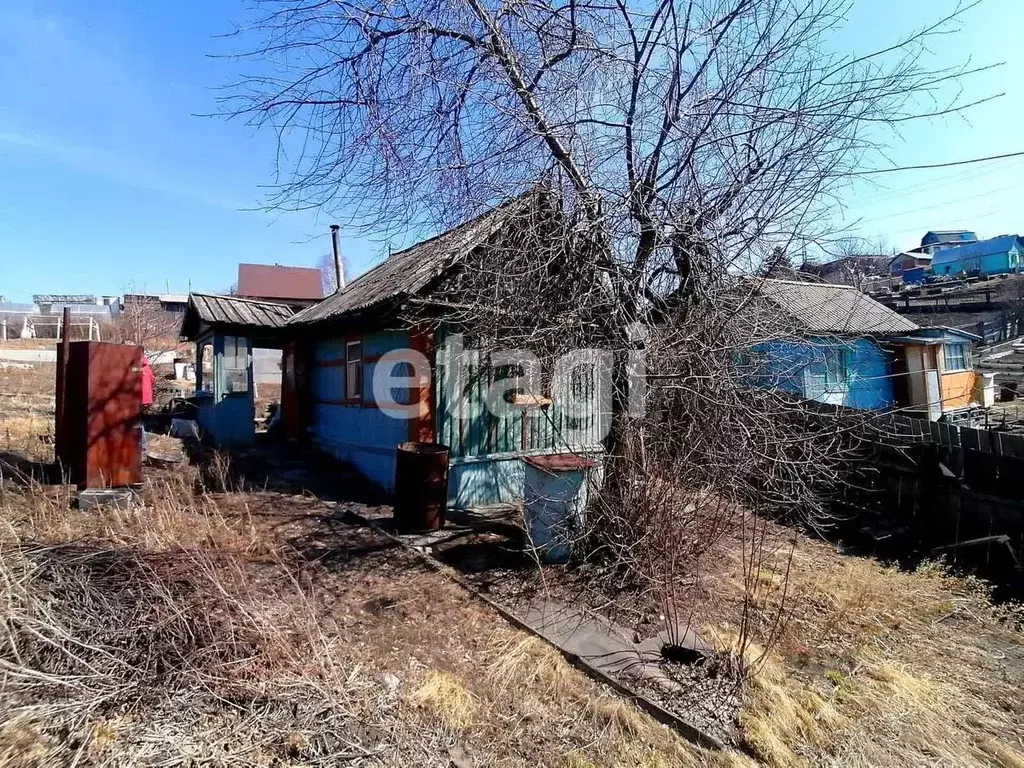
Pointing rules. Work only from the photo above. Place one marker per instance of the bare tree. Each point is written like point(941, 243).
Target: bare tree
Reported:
point(143, 321)
point(329, 274)
point(678, 143)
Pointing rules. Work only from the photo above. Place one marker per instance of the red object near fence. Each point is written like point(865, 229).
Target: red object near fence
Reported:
point(97, 440)
point(148, 380)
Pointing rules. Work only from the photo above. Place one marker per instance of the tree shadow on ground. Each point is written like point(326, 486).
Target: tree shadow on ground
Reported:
point(26, 472)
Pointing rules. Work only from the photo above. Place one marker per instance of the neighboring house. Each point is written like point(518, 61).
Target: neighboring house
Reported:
point(295, 286)
point(172, 303)
point(939, 240)
point(333, 348)
point(995, 256)
point(101, 308)
point(848, 349)
point(911, 266)
point(856, 270)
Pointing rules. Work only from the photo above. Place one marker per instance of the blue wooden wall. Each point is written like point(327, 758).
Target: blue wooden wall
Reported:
point(359, 434)
point(486, 449)
point(791, 365)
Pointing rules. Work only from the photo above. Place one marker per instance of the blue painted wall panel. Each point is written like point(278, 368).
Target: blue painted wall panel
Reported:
point(361, 435)
point(798, 365)
point(486, 468)
point(480, 483)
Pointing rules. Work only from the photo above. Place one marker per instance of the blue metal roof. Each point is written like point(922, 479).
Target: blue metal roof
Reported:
point(1001, 244)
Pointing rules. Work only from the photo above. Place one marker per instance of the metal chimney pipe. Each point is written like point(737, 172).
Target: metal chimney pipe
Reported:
point(339, 268)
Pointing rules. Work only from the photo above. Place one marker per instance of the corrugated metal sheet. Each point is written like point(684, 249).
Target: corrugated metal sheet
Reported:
point(271, 281)
point(407, 272)
point(827, 308)
point(232, 310)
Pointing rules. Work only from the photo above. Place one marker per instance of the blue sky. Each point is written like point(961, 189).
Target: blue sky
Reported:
point(109, 180)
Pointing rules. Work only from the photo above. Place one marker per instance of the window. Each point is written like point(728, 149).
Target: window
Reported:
point(836, 366)
point(831, 368)
point(205, 373)
point(236, 364)
point(957, 357)
point(354, 370)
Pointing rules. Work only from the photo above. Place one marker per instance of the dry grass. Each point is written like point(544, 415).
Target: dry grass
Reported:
point(527, 661)
point(189, 629)
point(882, 667)
point(118, 657)
point(445, 696)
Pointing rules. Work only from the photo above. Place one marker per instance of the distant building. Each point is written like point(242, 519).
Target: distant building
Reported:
point(995, 256)
point(174, 303)
point(100, 308)
point(910, 265)
point(855, 270)
point(938, 240)
point(295, 286)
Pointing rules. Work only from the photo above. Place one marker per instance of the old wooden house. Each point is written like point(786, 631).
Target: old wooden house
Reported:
point(335, 355)
point(849, 350)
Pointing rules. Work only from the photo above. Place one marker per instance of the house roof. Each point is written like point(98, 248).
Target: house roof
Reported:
point(936, 334)
point(1001, 244)
point(173, 298)
point(409, 272)
point(271, 281)
point(827, 308)
point(912, 253)
point(869, 262)
point(948, 236)
point(232, 310)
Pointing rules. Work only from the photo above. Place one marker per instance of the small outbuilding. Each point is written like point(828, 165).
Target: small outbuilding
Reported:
point(849, 350)
point(225, 330)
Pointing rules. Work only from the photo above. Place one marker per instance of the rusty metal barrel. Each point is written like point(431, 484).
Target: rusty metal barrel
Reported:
point(421, 486)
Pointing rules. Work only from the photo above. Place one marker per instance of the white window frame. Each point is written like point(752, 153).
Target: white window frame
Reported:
point(947, 368)
point(354, 388)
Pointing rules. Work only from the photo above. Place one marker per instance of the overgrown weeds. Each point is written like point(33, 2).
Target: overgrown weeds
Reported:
point(94, 637)
point(878, 666)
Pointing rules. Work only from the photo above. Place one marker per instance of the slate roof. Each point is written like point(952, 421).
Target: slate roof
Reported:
point(1001, 244)
point(827, 308)
point(270, 281)
point(232, 310)
point(409, 272)
point(912, 254)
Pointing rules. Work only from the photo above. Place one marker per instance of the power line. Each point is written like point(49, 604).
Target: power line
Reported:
point(939, 165)
point(943, 180)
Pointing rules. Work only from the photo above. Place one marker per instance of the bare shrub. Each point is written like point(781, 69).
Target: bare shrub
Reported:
point(92, 636)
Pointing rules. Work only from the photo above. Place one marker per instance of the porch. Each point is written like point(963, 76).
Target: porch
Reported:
point(226, 330)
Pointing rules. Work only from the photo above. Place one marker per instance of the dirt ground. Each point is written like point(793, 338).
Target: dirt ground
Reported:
point(229, 620)
point(212, 624)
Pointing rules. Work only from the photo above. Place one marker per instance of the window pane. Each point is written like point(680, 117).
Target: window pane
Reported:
point(835, 366)
point(236, 380)
point(956, 357)
point(354, 370)
point(353, 380)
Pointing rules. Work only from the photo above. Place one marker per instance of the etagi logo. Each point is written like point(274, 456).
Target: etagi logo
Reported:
point(581, 383)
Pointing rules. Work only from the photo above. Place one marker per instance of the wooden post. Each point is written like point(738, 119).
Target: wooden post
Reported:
point(62, 368)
